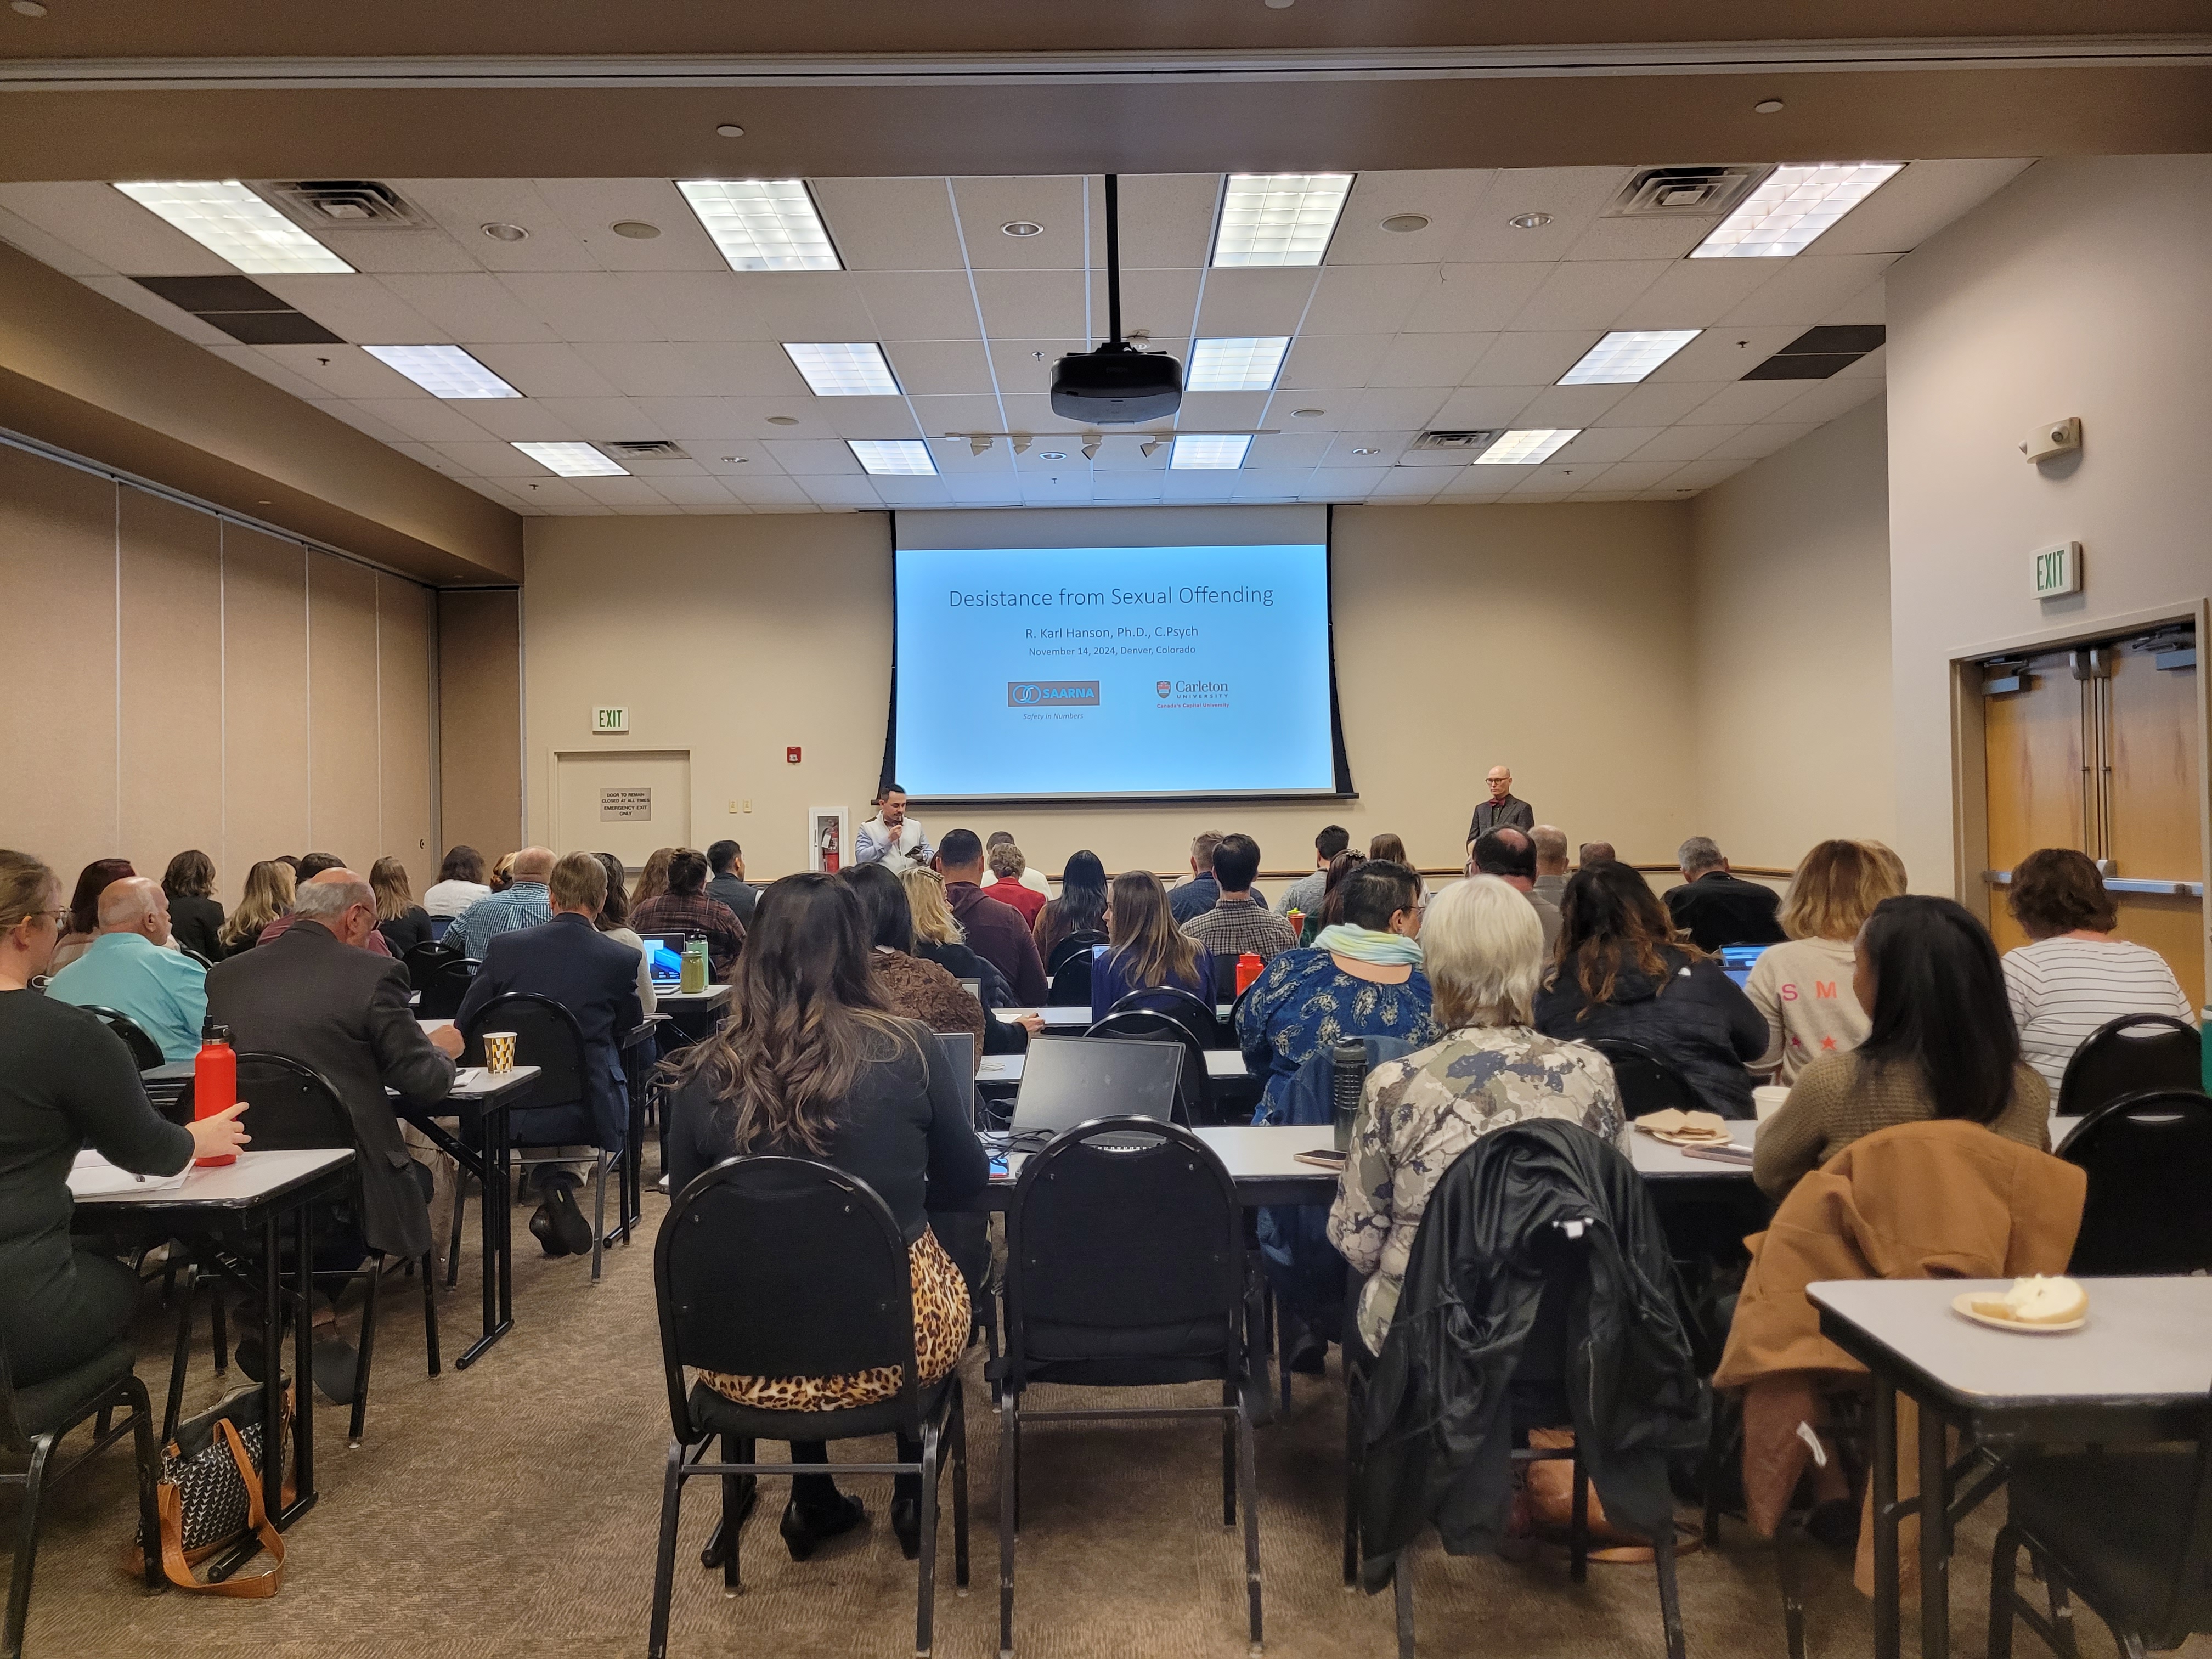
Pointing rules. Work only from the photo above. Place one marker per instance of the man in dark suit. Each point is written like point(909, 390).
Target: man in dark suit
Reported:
point(1504, 809)
point(595, 978)
point(1715, 908)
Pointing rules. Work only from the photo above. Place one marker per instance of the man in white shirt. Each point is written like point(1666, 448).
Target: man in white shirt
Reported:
point(890, 838)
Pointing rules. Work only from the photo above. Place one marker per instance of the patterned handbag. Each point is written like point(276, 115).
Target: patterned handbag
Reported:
point(208, 1496)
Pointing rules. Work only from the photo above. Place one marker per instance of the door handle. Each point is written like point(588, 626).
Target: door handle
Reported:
point(2159, 886)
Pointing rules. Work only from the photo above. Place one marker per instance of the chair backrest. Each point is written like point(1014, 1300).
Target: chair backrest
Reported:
point(2189, 1580)
point(444, 988)
point(1124, 1223)
point(143, 1054)
point(2149, 1158)
point(291, 1106)
point(421, 960)
point(1648, 1082)
point(2130, 1055)
point(1071, 982)
point(546, 1035)
point(1194, 1015)
point(1194, 1091)
point(1072, 947)
point(782, 1267)
point(13, 1440)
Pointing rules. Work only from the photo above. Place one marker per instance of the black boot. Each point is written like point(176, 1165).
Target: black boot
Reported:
point(805, 1530)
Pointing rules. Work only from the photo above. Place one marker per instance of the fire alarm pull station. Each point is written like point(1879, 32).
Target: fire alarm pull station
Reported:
point(791, 754)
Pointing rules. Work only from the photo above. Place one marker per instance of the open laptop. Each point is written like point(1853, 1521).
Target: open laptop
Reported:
point(664, 959)
point(973, 987)
point(960, 1053)
point(1738, 960)
point(1067, 1080)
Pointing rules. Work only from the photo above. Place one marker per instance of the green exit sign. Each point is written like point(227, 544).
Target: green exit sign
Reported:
point(2057, 570)
point(610, 720)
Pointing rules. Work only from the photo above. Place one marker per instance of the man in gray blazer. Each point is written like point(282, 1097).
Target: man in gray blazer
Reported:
point(317, 995)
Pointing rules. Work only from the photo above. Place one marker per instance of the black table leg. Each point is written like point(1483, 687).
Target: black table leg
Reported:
point(489, 1158)
point(273, 1392)
point(1887, 1634)
point(502, 1166)
point(1934, 1538)
point(303, 1372)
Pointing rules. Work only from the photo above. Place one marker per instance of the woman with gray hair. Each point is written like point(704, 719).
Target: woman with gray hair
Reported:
point(1481, 948)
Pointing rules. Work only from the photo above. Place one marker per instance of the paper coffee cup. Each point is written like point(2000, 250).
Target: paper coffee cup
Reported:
point(1767, 1099)
point(499, 1051)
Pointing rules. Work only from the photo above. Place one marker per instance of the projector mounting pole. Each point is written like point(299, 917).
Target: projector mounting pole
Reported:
point(1114, 256)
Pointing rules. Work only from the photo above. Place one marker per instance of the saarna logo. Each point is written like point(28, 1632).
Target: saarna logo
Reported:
point(1034, 693)
point(1162, 687)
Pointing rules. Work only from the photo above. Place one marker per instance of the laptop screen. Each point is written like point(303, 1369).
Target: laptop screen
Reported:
point(663, 958)
point(1738, 960)
point(960, 1053)
point(1067, 1080)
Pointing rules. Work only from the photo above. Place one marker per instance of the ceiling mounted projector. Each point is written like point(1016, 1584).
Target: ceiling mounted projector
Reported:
point(1117, 384)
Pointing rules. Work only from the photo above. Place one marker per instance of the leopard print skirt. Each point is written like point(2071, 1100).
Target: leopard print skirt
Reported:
point(942, 1320)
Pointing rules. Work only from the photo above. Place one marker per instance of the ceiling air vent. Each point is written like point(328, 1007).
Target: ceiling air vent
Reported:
point(1702, 192)
point(645, 449)
point(1472, 442)
point(351, 203)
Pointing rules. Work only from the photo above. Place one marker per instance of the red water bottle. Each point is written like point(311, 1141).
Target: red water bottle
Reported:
point(214, 1082)
point(1247, 969)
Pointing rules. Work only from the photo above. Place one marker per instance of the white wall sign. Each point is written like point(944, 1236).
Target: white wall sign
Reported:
point(2057, 570)
point(610, 720)
point(625, 805)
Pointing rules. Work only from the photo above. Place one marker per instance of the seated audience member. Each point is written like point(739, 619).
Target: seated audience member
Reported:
point(1551, 871)
point(460, 883)
point(1511, 855)
point(344, 1012)
point(1361, 978)
point(195, 917)
point(1481, 947)
point(523, 903)
point(938, 937)
point(997, 932)
point(914, 987)
point(1939, 1043)
point(1080, 907)
point(595, 978)
point(1388, 845)
point(1339, 868)
point(653, 880)
point(725, 863)
point(810, 1064)
point(403, 923)
point(372, 942)
point(1196, 895)
point(291, 864)
point(130, 969)
point(1593, 851)
point(83, 921)
point(1802, 988)
point(2075, 976)
point(1147, 951)
point(1032, 879)
point(268, 895)
point(1618, 973)
point(685, 908)
point(1239, 923)
point(1003, 881)
point(67, 1085)
point(1304, 894)
point(502, 873)
point(891, 837)
point(613, 920)
point(1715, 908)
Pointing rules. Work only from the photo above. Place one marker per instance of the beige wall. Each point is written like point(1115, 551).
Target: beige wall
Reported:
point(1548, 637)
point(1790, 651)
point(183, 681)
point(2082, 289)
point(480, 718)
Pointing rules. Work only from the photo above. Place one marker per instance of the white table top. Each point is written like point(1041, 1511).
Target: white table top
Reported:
point(1268, 1152)
point(706, 998)
point(1655, 1160)
point(1073, 1015)
point(488, 1086)
point(254, 1175)
point(2145, 1339)
point(1007, 1068)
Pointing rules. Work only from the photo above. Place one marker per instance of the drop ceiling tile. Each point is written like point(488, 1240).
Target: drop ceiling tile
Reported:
point(463, 207)
point(1680, 443)
point(736, 418)
point(1285, 450)
point(1388, 448)
point(1588, 293)
point(941, 367)
point(1705, 473)
point(1660, 403)
point(1696, 293)
point(486, 460)
point(994, 489)
point(828, 490)
point(1053, 201)
point(1144, 486)
point(1033, 413)
point(1162, 304)
point(1824, 400)
point(807, 305)
point(1167, 220)
point(606, 417)
point(976, 413)
point(1032, 305)
point(590, 206)
point(360, 421)
point(734, 461)
point(1744, 401)
point(280, 374)
point(552, 495)
point(1474, 298)
point(523, 420)
point(694, 492)
point(1065, 491)
point(48, 249)
point(1483, 406)
point(1641, 236)
point(388, 251)
point(871, 417)
point(1344, 483)
point(361, 309)
point(1262, 484)
point(339, 371)
point(1602, 443)
point(890, 224)
point(1531, 359)
point(730, 508)
point(1367, 299)
point(912, 492)
point(919, 305)
point(579, 305)
point(1206, 485)
point(1340, 360)
point(1725, 353)
point(1754, 442)
point(545, 371)
point(1552, 480)
point(691, 305)
point(1574, 196)
point(811, 457)
point(100, 221)
point(773, 490)
point(696, 369)
point(1241, 301)
point(1408, 484)
point(1437, 360)
point(1633, 475)
point(1807, 289)
point(1568, 405)
point(956, 457)
point(128, 294)
point(1023, 368)
point(1334, 405)
point(1475, 485)
point(1202, 410)
point(1864, 307)
point(424, 419)
point(1395, 408)
point(1122, 451)
point(1915, 205)
point(1446, 198)
point(621, 492)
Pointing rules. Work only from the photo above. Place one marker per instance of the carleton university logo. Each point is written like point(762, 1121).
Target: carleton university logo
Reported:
point(1162, 687)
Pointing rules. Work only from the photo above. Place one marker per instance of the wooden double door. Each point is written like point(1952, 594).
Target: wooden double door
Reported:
point(2097, 748)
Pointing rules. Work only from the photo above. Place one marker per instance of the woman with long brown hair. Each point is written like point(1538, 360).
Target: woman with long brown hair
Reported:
point(1330, 910)
point(1147, 950)
point(613, 920)
point(810, 1064)
point(653, 880)
point(195, 917)
point(83, 919)
point(403, 923)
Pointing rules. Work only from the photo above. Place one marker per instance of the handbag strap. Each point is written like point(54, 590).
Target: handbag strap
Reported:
point(169, 1501)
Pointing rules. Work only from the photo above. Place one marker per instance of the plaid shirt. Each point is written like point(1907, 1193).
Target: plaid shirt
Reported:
point(695, 913)
point(1235, 925)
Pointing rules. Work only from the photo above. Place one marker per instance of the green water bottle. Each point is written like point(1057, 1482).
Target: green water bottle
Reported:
point(694, 979)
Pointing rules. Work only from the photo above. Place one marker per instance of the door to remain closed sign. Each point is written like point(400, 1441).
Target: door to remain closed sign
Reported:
point(625, 805)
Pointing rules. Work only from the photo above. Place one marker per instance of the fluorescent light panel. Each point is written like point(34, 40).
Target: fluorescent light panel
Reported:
point(762, 224)
point(443, 371)
point(1278, 218)
point(573, 461)
point(1248, 364)
point(230, 222)
point(1526, 448)
point(852, 369)
point(1626, 356)
point(1791, 207)
point(893, 458)
point(1209, 453)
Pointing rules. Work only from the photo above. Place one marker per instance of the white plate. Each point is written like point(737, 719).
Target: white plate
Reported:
point(1960, 1305)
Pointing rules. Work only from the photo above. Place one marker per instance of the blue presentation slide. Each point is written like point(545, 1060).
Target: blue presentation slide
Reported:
point(1114, 670)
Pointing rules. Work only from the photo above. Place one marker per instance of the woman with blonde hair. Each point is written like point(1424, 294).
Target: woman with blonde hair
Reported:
point(1802, 988)
point(403, 923)
point(267, 895)
point(1147, 950)
point(939, 938)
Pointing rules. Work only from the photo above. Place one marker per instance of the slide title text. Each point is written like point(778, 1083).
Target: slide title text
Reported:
point(1002, 599)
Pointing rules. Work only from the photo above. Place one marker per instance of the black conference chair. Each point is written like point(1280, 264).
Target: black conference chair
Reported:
point(422, 961)
point(1073, 947)
point(2148, 1158)
point(560, 1113)
point(294, 1107)
point(734, 1295)
point(1194, 1102)
point(1194, 1014)
point(444, 988)
point(35, 1420)
point(1648, 1082)
point(2130, 1055)
point(1126, 1269)
point(2130, 1531)
point(143, 1054)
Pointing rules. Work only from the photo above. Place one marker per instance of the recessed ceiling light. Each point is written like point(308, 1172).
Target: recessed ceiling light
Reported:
point(443, 371)
point(504, 232)
point(1367, 451)
point(232, 222)
point(1245, 364)
point(729, 130)
point(1209, 452)
point(844, 369)
point(1529, 221)
point(1791, 206)
point(573, 461)
point(1406, 223)
point(783, 420)
point(893, 458)
point(636, 229)
point(26, 8)
point(1626, 356)
point(1051, 454)
point(1021, 228)
point(1528, 448)
point(1767, 107)
point(1278, 218)
point(762, 224)
point(1307, 414)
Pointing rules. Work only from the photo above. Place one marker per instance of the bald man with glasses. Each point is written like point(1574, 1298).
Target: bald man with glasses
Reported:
point(1503, 810)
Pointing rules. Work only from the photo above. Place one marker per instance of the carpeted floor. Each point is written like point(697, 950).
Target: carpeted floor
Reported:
point(511, 1508)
